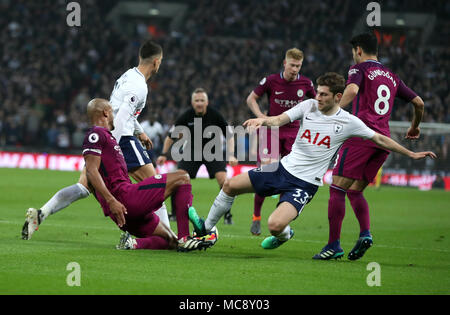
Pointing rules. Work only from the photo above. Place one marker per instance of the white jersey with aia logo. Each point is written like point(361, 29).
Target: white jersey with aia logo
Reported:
point(128, 100)
point(318, 139)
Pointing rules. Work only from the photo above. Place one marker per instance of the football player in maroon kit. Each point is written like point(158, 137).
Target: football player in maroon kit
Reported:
point(284, 90)
point(371, 87)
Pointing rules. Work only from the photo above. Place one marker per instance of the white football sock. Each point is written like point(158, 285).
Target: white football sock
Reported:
point(63, 198)
point(285, 234)
point(162, 214)
point(221, 205)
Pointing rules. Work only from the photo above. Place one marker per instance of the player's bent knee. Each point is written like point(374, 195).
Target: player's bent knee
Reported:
point(184, 176)
point(227, 187)
point(163, 231)
point(275, 226)
point(83, 181)
point(177, 178)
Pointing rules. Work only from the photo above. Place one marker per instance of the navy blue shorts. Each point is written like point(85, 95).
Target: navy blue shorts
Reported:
point(133, 152)
point(291, 189)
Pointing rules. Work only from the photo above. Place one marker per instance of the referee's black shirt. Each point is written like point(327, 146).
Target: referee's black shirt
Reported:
point(211, 118)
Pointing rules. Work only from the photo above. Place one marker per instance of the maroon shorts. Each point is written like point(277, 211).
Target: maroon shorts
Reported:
point(274, 147)
point(141, 201)
point(358, 162)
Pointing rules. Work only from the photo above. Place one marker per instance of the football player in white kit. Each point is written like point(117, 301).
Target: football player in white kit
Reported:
point(128, 100)
point(324, 127)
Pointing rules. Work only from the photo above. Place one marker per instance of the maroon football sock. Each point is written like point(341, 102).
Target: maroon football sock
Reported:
point(258, 202)
point(361, 208)
point(182, 202)
point(336, 212)
point(152, 242)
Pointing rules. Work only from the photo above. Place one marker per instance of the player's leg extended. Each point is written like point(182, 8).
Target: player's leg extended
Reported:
point(278, 224)
point(147, 171)
point(179, 186)
point(162, 238)
point(67, 196)
point(221, 177)
point(349, 167)
point(371, 170)
point(361, 209)
point(149, 236)
point(336, 206)
point(232, 187)
point(63, 198)
point(336, 213)
point(142, 222)
point(266, 156)
point(360, 206)
point(258, 201)
point(191, 167)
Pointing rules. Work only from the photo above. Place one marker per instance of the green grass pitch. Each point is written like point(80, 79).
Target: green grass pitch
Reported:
point(410, 229)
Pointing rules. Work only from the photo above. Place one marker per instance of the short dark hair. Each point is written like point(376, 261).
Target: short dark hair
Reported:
point(334, 81)
point(149, 49)
point(367, 41)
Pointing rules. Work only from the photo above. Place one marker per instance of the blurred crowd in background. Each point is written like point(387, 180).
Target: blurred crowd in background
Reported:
point(49, 71)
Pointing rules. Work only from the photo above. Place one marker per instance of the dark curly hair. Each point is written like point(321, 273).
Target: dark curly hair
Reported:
point(334, 81)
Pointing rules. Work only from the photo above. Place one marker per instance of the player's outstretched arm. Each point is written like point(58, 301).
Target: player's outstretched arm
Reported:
point(350, 93)
point(391, 145)
point(95, 179)
point(414, 131)
point(252, 103)
point(271, 121)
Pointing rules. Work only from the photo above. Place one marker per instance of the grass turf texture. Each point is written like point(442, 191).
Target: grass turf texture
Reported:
point(410, 229)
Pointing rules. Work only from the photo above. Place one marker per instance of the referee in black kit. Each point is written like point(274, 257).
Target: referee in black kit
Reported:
point(209, 117)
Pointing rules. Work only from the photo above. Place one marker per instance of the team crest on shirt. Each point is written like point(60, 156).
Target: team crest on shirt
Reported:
point(300, 93)
point(338, 128)
point(93, 137)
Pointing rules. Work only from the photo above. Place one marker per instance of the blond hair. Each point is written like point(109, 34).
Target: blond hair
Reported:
point(294, 53)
